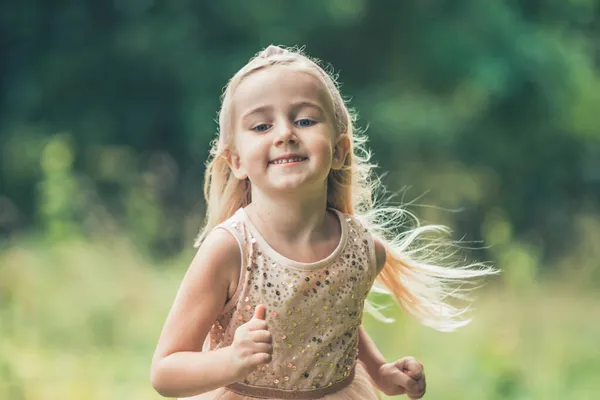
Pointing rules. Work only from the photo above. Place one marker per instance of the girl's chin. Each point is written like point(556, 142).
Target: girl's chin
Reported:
point(292, 184)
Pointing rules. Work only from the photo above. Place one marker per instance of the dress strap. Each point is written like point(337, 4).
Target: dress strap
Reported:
point(364, 235)
point(238, 230)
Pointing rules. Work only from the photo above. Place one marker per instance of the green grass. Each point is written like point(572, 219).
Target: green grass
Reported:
point(80, 321)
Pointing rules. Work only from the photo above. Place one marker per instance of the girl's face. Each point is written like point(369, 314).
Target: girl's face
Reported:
point(284, 131)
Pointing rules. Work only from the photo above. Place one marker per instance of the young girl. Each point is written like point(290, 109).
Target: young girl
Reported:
point(271, 306)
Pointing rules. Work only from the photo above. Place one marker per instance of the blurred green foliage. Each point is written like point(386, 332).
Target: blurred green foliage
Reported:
point(107, 110)
point(491, 107)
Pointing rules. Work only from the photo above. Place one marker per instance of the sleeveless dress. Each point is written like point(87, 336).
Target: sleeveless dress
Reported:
point(314, 311)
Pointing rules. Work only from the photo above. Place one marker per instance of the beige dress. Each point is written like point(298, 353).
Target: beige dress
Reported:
point(314, 311)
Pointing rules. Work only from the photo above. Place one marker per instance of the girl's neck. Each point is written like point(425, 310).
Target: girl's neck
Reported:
point(299, 218)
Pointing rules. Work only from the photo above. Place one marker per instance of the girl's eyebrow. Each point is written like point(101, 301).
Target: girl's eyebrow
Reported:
point(295, 107)
point(310, 104)
point(256, 110)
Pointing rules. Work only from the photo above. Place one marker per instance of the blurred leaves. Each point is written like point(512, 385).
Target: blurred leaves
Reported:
point(508, 89)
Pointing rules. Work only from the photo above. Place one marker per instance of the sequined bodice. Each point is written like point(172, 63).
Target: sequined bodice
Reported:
point(313, 311)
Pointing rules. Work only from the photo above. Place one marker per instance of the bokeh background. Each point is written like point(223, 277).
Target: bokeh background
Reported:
point(483, 115)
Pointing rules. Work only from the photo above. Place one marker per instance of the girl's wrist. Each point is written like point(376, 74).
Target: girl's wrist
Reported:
point(377, 379)
point(236, 370)
point(373, 366)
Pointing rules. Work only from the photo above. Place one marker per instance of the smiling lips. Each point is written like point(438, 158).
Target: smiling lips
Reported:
point(288, 159)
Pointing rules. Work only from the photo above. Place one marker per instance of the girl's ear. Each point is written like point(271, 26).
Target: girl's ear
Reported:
point(340, 151)
point(234, 162)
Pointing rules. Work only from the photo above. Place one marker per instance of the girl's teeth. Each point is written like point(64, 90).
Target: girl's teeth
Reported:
point(288, 160)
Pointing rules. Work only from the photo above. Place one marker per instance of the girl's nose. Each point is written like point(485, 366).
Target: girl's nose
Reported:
point(285, 134)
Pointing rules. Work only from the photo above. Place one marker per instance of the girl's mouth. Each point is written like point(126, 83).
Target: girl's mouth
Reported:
point(288, 160)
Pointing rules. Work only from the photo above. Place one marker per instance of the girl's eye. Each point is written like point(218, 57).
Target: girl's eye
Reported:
point(261, 128)
point(304, 122)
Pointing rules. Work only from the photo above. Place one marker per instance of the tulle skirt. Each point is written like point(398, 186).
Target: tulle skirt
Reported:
point(361, 388)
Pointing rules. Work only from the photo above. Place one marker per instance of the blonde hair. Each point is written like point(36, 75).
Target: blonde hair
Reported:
point(410, 272)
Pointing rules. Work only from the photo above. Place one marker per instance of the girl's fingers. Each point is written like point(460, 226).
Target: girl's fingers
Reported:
point(417, 376)
point(399, 378)
point(419, 390)
point(262, 348)
point(260, 312)
point(262, 336)
point(256, 324)
point(260, 358)
point(410, 367)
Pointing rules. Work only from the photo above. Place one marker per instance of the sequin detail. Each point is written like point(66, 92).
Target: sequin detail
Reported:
point(313, 311)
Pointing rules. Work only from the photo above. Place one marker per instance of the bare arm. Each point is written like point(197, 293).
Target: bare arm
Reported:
point(179, 367)
point(403, 376)
point(369, 354)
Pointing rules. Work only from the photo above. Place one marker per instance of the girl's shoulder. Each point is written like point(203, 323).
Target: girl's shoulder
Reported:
point(359, 226)
point(235, 226)
point(224, 242)
point(355, 224)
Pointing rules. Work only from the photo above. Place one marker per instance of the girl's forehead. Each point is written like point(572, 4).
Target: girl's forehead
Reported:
point(277, 85)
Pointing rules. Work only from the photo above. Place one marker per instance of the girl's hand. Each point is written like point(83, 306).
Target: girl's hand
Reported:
point(404, 376)
point(251, 345)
